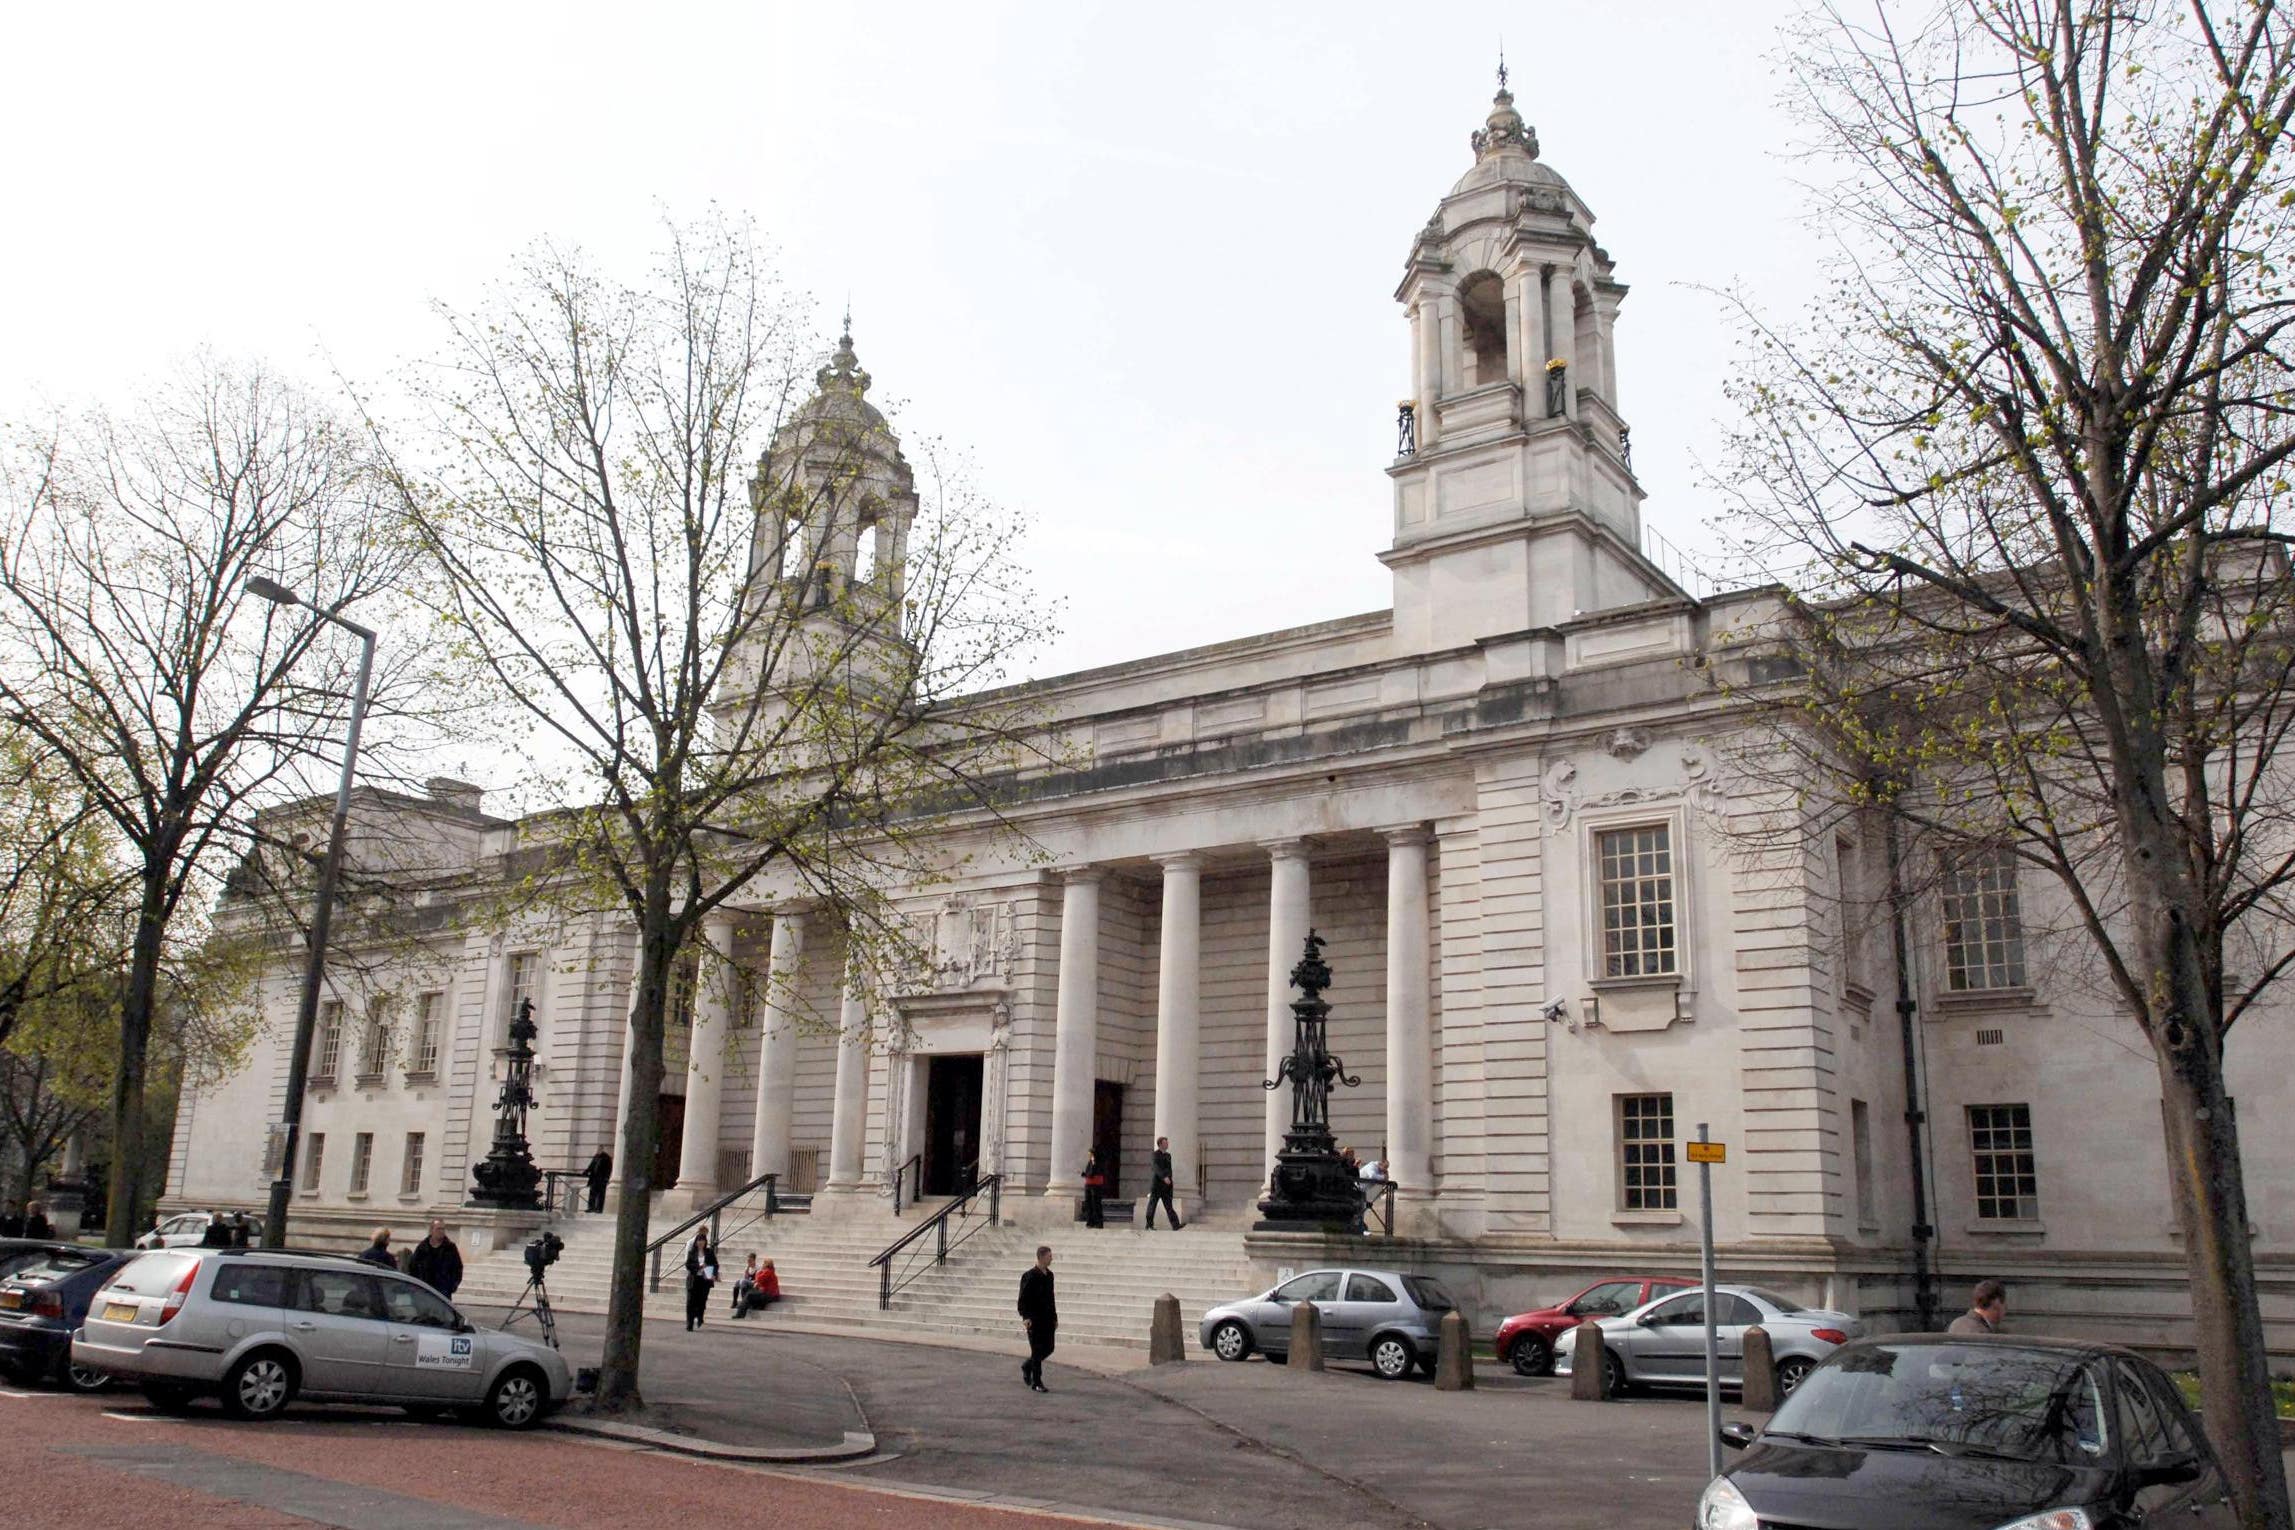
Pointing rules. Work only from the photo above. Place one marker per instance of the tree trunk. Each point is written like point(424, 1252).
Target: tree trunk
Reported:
point(121, 1226)
point(633, 1218)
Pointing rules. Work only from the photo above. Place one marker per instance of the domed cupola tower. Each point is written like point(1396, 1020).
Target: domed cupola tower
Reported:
point(1515, 500)
point(834, 500)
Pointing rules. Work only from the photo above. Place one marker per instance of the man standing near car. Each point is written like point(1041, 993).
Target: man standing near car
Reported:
point(436, 1262)
point(378, 1252)
point(11, 1221)
point(36, 1223)
point(1159, 1185)
point(1988, 1308)
point(1039, 1315)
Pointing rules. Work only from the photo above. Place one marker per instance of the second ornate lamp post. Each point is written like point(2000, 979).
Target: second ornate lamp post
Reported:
point(1311, 1186)
point(507, 1177)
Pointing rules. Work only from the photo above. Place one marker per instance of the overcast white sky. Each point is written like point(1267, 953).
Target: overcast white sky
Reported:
point(1138, 260)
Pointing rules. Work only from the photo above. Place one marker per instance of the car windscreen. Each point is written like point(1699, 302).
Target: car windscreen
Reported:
point(1977, 1400)
point(1780, 1303)
point(1428, 1293)
point(57, 1264)
point(153, 1274)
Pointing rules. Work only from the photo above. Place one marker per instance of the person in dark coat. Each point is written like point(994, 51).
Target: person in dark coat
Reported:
point(11, 1221)
point(377, 1253)
point(436, 1262)
point(1987, 1310)
point(599, 1173)
point(1159, 1185)
point(215, 1234)
point(700, 1276)
point(1039, 1316)
point(36, 1223)
point(1095, 1191)
point(241, 1233)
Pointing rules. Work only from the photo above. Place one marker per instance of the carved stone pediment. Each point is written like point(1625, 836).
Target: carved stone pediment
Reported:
point(963, 943)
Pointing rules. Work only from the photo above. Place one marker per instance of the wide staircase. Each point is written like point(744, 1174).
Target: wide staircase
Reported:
point(1109, 1278)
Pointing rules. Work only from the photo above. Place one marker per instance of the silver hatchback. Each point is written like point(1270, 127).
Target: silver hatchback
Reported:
point(1389, 1318)
point(258, 1328)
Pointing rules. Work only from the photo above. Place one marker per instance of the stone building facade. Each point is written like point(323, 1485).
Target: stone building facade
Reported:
point(1566, 927)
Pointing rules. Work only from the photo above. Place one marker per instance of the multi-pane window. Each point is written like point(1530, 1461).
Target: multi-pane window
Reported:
point(525, 983)
point(429, 1020)
point(410, 1171)
point(314, 1149)
point(362, 1160)
point(1645, 1152)
point(1861, 1147)
point(1983, 924)
point(327, 1049)
point(681, 989)
point(374, 1042)
point(2007, 1180)
point(1636, 870)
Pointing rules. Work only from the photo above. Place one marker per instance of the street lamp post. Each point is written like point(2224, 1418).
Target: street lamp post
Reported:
point(322, 915)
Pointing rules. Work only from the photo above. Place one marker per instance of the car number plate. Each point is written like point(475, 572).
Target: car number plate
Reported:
point(11, 1300)
point(120, 1312)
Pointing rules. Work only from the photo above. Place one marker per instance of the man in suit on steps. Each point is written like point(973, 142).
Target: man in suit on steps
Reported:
point(1159, 1185)
point(1039, 1315)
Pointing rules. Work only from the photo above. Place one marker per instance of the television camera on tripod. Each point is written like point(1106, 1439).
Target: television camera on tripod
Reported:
point(534, 1301)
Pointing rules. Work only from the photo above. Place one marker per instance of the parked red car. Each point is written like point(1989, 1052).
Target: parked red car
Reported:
point(1526, 1340)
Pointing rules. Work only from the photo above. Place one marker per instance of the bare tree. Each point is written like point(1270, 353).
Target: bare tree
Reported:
point(2026, 460)
point(722, 687)
point(131, 656)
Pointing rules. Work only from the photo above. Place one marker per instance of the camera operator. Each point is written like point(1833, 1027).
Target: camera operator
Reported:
point(436, 1262)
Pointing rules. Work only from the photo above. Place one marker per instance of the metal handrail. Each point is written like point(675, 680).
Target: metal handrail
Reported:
point(564, 1192)
point(713, 1214)
point(1379, 1201)
point(900, 1179)
point(992, 1187)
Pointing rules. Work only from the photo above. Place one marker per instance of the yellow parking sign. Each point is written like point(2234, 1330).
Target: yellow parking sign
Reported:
point(1708, 1152)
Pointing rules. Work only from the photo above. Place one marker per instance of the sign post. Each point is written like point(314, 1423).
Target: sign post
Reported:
point(1705, 1154)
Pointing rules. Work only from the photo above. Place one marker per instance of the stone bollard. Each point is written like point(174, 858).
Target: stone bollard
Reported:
point(1306, 1338)
point(1165, 1343)
point(1758, 1393)
point(1454, 1355)
point(1589, 1365)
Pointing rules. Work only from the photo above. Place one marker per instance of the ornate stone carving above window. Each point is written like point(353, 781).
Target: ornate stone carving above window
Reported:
point(1626, 743)
point(965, 943)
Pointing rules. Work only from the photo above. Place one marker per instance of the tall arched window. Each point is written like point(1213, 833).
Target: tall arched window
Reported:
point(1482, 311)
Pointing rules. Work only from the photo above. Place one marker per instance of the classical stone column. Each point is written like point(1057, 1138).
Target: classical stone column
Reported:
point(706, 1059)
point(1288, 918)
point(1410, 1031)
point(1562, 337)
point(848, 1120)
point(1075, 1032)
point(1426, 325)
point(1178, 999)
point(777, 1048)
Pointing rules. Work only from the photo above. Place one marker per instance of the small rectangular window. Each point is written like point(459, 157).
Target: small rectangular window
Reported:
point(250, 1285)
point(1983, 922)
point(1861, 1151)
point(1645, 1152)
point(410, 1173)
point(682, 982)
point(1636, 873)
point(2007, 1175)
point(523, 983)
point(430, 1019)
point(362, 1159)
point(314, 1149)
point(327, 1047)
point(374, 1043)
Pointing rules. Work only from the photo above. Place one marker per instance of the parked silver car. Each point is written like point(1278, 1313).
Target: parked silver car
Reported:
point(1386, 1317)
point(1663, 1343)
point(258, 1328)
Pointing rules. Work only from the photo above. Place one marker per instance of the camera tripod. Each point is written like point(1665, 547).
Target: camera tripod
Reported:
point(534, 1303)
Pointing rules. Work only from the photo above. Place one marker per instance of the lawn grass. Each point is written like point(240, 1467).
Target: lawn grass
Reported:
point(2282, 1392)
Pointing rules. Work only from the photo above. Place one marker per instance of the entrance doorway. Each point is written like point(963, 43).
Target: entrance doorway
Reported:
point(1108, 1133)
point(952, 1123)
point(669, 1141)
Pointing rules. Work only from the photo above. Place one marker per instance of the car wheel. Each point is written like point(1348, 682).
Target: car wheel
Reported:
point(517, 1399)
point(166, 1399)
point(1791, 1371)
point(1531, 1356)
point(1613, 1373)
point(81, 1378)
point(1392, 1356)
point(259, 1386)
point(1230, 1341)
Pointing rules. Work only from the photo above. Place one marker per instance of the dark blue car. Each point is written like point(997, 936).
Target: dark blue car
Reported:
point(41, 1303)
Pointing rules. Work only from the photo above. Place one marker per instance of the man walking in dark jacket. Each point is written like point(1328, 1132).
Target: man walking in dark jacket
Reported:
point(1039, 1315)
point(600, 1170)
point(1159, 1185)
point(436, 1262)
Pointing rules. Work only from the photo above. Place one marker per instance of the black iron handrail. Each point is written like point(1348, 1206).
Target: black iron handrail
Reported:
point(1379, 1201)
point(564, 1192)
point(992, 1187)
point(713, 1214)
point(900, 1179)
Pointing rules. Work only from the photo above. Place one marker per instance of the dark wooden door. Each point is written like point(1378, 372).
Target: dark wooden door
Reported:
point(952, 1124)
point(1108, 1133)
point(669, 1145)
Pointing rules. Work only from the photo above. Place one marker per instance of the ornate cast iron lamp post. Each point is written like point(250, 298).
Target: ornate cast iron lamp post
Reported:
point(507, 1177)
point(1310, 1185)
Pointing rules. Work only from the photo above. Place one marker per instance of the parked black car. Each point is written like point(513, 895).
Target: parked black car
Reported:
point(41, 1303)
point(15, 1253)
point(1998, 1433)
